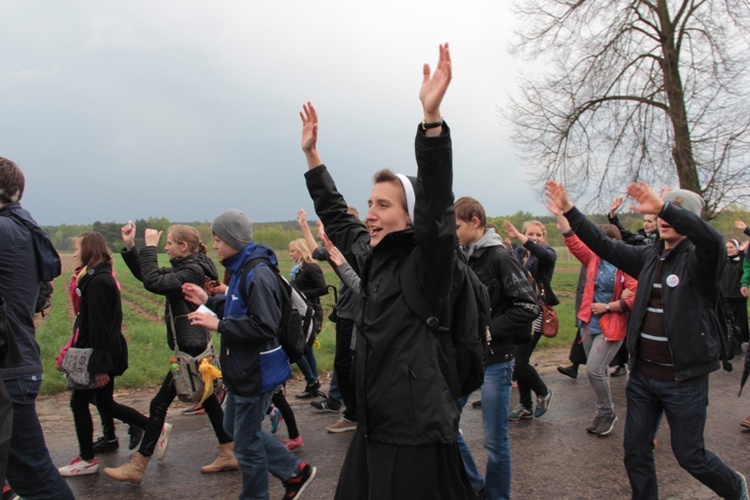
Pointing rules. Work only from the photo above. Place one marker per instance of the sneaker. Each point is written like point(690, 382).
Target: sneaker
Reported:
point(542, 404)
point(194, 409)
point(606, 424)
point(8, 493)
point(477, 404)
point(743, 493)
point(293, 444)
point(568, 371)
point(520, 412)
point(592, 428)
point(105, 445)
point(163, 443)
point(620, 371)
point(326, 405)
point(79, 467)
point(136, 434)
point(310, 391)
point(746, 423)
point(343, 425)
point(276, 418)
point(295, 485)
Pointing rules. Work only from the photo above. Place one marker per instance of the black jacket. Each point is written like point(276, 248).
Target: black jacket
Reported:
point(731, 278)
point(690, 286)
point(168, 281)
point(99, 321)
point(311, 282)
point(401, 377)
point(640, 237)
point(540, 262)
point(513, 302)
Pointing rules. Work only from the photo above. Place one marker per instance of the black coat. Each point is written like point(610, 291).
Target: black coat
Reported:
point(99, 321)
point(539, 261)
point(401, 377)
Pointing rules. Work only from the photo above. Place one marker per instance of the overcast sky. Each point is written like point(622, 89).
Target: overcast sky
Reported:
point(182, 109)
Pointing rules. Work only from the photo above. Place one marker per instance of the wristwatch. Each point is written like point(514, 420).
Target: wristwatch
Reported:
point(606, 306)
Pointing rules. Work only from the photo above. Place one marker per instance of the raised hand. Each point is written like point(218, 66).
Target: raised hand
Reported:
point(151, 237)
point(740, 225)
point(557, 196)
point(648, 201)
point(128, 234)
point(435, 85)
point(310, 134)
point(511, 230)
point(562, 223)
point(301, 217)
point(615, 206)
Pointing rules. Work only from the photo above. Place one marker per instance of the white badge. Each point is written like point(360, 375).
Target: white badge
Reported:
point(673, 280)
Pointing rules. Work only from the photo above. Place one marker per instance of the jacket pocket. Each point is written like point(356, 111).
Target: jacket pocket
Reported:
point(274, 368)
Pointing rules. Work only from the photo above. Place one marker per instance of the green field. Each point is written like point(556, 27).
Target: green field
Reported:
point(146, 333)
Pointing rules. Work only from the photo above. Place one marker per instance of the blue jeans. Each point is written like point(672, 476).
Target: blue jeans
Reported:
point(308, 365)
point(257, 452)
point(684, 404)
point(498, 380)
point(31, 472)
point(475, 477)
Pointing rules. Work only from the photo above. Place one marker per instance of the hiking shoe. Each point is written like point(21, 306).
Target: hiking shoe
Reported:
point(592, 428)
point(194, 409)
point(746, 423)
point(276, 418)
point(293, 444)
point(310, 391)
point(295, 485)
point(606, 424)
point(542, 404)
point(326, 405)
point(163, 443)
point(106, 445)
point(743, 493)
point(520, 412)
point(477, 404)
point(568, 371)
point(343, 425)
point(136, 434)
point(79, 467)
point(620, 371)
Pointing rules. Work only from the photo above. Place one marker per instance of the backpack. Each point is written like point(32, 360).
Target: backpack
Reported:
point(466, 340)
point(44, 299)
point(47, 259)
point(297, 326)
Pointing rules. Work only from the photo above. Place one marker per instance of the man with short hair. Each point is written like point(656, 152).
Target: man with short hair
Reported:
point(672, 338)
point(514, 307)
point(30, 473)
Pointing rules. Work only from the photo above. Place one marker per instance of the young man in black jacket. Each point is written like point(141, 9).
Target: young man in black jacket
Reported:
point(514, 308)
point(672, 340)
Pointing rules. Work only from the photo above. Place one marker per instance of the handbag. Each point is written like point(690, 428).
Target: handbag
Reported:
point(76, 367)
point(550, 322)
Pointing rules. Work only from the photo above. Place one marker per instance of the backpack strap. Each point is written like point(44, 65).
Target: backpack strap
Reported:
point(249, 265)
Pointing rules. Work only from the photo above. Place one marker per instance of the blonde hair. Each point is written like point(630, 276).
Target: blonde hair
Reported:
point(182, 233)
point(535, 223)
point(301, 246)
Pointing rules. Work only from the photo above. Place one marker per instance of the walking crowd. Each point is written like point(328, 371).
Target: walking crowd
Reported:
point(651, 304)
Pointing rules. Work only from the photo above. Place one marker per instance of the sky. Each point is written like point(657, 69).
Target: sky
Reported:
point(182, 109)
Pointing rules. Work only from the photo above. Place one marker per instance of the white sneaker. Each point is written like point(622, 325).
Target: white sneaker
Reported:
point(163, 443)
point(79, 467)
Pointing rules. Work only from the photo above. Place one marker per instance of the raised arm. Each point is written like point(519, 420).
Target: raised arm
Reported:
point(433, 90)
point(310, 135)
point(306, 233)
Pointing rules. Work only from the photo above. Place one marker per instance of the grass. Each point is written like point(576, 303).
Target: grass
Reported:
point(146, 333)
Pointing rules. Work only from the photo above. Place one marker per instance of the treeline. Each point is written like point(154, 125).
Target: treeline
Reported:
point(277, 235)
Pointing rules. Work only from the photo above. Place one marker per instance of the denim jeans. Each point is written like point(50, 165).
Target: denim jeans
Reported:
point(498, 380)
point(684, 404)
point(475, 477)
point(308, 365)
point(31, 473)
point(257, 452)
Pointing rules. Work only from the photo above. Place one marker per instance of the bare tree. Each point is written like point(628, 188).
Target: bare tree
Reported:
point(636, 89)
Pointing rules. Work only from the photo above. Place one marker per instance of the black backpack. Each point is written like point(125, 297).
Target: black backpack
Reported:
point(466, 341)
point(47, 259)
point(297, 325)
point(44, 299)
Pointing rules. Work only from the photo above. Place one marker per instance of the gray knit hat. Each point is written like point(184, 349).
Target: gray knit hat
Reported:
point(686, 199)
point(233, 227)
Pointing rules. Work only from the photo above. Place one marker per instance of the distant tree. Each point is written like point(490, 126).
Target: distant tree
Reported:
point(636, 89)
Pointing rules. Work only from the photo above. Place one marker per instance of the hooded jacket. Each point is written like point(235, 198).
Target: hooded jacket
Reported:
point(401, 373)
point(99, 321)
point(539, 260)
point(168, 281)
point(513, 303)
point(252, 360)
point(690, 286)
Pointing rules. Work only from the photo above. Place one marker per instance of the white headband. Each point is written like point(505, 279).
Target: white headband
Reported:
point(411, 198)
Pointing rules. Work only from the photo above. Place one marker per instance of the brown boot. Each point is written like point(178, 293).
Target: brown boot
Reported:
point(132, 471)
point(225, 460)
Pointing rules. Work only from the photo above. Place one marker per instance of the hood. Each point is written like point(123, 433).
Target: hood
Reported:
point(247, 253)
point(489, 239)
point(208, 266)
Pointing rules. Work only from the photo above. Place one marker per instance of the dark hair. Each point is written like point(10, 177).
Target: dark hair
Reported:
point(387, 175)
point(182, 233)
point(351, 210)
point(12, 182)
point(611, 231)
point(94, 250)
point(467, 208)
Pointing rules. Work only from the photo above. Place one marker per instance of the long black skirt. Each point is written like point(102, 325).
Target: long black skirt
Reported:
point(738, 308)
point(377, 471)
